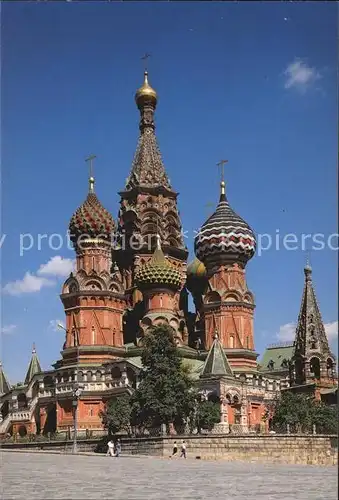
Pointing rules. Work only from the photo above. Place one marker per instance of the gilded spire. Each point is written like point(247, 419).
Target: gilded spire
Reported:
point(146, 94)
point(147, 169)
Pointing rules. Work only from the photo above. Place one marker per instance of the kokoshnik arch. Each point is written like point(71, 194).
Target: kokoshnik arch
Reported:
point(117, 293)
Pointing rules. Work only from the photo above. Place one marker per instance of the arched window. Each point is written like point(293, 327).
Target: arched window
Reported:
point(315, 367)
point(115, 372)
point(284, 363)
point(247, 342)
point(329, 366)
point(231, 341)
point(48, 382)
point(22, 401)
point(235, 399)
point(22, 431)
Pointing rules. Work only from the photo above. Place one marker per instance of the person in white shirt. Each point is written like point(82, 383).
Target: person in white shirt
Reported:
point(183, 449)
point(110, 448)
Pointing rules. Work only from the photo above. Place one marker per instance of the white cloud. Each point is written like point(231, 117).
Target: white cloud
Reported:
point(286, 332)
point(7, 329)
point(29, 284)
point(57, 266)
point(331, 330)
point(299, 75)
point(53, 324)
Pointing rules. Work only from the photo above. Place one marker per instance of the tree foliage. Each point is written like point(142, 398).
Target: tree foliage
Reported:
point(165, 394)
point(117, 415)
point(207, 415)
point(301, 412)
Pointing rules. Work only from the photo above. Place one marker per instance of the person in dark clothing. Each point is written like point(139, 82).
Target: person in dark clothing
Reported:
point(175, 449)
point(117, 448)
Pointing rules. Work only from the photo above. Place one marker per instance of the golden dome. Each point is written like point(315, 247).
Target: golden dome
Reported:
point(145, 92)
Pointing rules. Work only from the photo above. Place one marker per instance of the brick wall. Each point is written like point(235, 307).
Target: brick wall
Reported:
point(286, 449)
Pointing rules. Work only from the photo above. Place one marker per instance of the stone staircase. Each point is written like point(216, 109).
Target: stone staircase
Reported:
point(24, 415)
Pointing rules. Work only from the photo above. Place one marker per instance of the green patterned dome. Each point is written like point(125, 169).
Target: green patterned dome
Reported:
point(158, 271)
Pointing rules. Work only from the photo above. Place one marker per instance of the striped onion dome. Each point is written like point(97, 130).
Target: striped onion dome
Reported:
point(158, 271)
point(196, 269)
point(91, 220)
point(225, 237)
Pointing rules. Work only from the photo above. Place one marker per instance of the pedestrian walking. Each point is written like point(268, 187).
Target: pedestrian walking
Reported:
point(175, 449)
point(110, 448)
point(117, 448)
point(183, 449)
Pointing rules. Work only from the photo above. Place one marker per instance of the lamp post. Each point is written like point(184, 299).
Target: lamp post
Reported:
point(77, 390)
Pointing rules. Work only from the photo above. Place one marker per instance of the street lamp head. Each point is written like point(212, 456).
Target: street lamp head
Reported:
point(61, 326)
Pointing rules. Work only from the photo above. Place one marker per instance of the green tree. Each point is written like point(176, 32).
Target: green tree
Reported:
point(207, 415)
point(301, 412)
point(165, 394)
point(325, 418)
point(117, 415)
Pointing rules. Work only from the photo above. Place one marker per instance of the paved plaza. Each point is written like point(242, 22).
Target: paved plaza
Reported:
point(48, 476)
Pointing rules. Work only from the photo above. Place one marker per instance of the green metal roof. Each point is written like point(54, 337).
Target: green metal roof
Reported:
point(33, 367)
point(276, 353)
point(216, 363)
point(135, 360)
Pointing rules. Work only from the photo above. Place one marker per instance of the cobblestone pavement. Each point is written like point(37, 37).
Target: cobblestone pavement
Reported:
point(48, 476)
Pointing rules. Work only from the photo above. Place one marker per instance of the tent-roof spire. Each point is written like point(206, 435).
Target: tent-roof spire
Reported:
point(33, 367)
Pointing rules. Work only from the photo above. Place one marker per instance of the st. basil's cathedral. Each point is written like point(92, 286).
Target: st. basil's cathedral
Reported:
point(120, 289)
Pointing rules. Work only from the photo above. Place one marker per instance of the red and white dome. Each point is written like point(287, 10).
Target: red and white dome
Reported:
point(225, 237)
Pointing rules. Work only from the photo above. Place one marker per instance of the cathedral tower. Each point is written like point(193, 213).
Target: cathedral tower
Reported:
point(159, 280)
point(224, 245)
point(92, 297)
point(148, 208)
point(312, 359)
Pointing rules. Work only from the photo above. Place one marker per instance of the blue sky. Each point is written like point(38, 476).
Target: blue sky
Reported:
point(251, 82)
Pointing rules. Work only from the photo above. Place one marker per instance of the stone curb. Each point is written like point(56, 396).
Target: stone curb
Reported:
point(80, 453)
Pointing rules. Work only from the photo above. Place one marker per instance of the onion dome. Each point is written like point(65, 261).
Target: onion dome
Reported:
point(196, 269)
point(146, 94)
point(158, 271)
point(225, 237)
point(91, 219)
point(196, 276)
